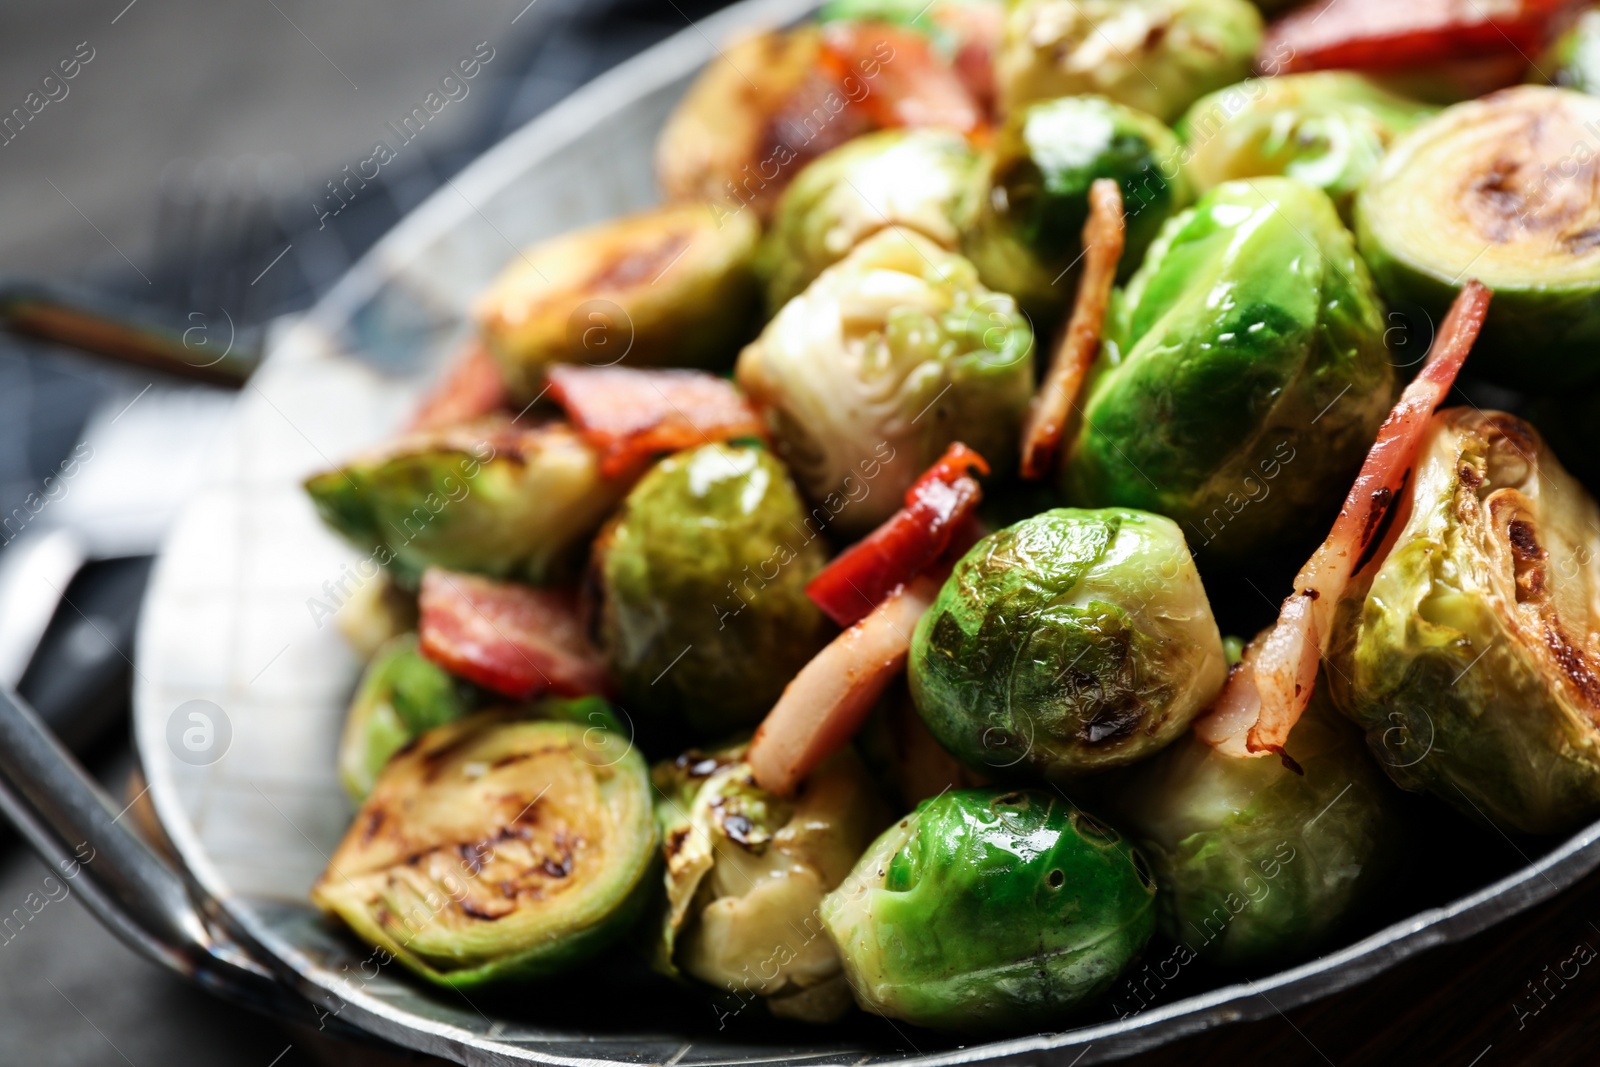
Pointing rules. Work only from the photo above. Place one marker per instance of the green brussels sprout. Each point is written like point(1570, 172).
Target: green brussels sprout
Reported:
point(1573, 59)
point(1468, 661)
point(1328, 129)
point(1159, 56)
point(890, 355)
point(1026, 231)
point(1257, 863)
point(673, 286)
point(746, 872)
point(1501, 190)
point(987, 910)
point(702, 575)
point(1245, 374)
point(488, 498)
point(401, 694)
point(493, 850)
point(1068, 643)
point(911, 178)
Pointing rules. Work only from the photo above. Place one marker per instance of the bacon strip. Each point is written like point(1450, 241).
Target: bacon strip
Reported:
point(1271, 686)
point(824, 705)
point(514, 639)
point(1104, 235)
point(1384, 35)
point(904, 83)
point(628, 414)
point(472, 388)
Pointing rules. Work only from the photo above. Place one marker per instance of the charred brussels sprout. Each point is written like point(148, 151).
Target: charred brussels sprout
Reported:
point(987, 910)
point(487, 498)
point(746, 873)
point(911, 178)
point(1027, 224)
point(1470, 661)
point(1329, 129)
point(1257, 863)
point(1245, 377)
point(401, 695)
point(1502, 188)
point(889, 356)
point(1156, 55)
point(495, 850)
point(702, 577)
point(1069, 643)
point(1573, 61)
point(674, 286)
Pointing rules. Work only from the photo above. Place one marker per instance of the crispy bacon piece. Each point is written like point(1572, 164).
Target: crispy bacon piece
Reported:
point(1385, 35)
point(1103, 239)
point(910, 541)
point(824, 705)
point(514, 639)
point(627, 415)
point(892, 75)
point(472, 388)
point(1271, 686)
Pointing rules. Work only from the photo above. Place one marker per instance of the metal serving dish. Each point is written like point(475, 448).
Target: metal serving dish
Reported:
point(237, 616)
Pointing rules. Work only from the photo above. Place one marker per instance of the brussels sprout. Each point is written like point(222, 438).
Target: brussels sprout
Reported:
point(987, 910)
point(702, 581)
point(1156, 55)
point(1245, 376)
point(1025, 234)
point(746, 873)
point(911, 178)
point(1502, 188)
point(1328, 129)
point(488, 498)
point(1071, 642)
point(1573, 60)
point(1469, 661)
point(401, 695)
point(492, 850)
point(674, 286)
point(889, 356)
point(1257, 863)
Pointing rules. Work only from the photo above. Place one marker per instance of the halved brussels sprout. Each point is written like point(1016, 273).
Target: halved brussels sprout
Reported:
point(493, 850)
point(488, 498)
point(1573, 60)
point(401, 695)
point(889, 356)
point(1071, 642)
point(1159, 56)
point(1329, 129)
point(1471, 660)
point(1245, 376)
point(1256, 862)
point(986, 910)
point(673, 286)
point(911, 178)
point(1026, 231)
point(702, 576)
point(746, 873)
point(1499, 189)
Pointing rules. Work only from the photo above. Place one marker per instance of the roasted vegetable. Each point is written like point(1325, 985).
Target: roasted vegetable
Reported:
point(1328, 129)
point(674, 286)
point(1245, 376)
point(1159, 56)
point(702, 575)
point(1474, 637)
point(490, 498)
point(1573, 60)
point(912, 178)
point(1258, 863)
point(401, 695)
point(746, 873)
point(496, 849)
point(1501, 189)
point(1071, 642)
point(1025, 232)
point(989, 911)
point(889, 356)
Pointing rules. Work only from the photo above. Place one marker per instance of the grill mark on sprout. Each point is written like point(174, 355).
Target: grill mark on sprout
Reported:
point(641, 266)
point(476, 912)
point(375, 820)
point(1573, 663)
